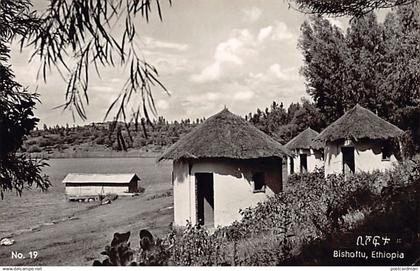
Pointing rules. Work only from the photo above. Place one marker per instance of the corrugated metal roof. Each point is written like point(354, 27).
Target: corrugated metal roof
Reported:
point(99, 178)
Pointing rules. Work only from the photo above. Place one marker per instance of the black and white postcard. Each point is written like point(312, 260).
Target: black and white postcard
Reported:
point(209, 133)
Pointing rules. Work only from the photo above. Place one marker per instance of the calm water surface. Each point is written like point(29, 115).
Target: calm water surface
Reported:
point(35, 208)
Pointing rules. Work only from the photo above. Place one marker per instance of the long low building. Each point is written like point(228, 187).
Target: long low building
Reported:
point(83, 185)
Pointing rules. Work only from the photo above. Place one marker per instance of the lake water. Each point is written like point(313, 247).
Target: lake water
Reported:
point(33, 208)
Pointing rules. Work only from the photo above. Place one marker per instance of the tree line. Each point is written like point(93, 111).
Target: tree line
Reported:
point(283, 123)
point(276, 120)
point(158, 133)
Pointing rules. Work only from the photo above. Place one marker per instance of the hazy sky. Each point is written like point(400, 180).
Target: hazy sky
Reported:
point(238, 53)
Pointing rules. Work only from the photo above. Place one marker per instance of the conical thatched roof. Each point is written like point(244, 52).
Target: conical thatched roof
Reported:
point(304, 140)
point(225, 135)
point(359, 123)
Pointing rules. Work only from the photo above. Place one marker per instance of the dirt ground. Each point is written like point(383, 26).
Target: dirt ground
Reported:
point(80, 239)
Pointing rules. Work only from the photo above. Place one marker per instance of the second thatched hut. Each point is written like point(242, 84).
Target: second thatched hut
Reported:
point(359, 141)
point(306, 155)
point(223, 165)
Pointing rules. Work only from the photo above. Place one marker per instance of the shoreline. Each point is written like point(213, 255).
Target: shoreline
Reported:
point(50, 222)
point(94, 154)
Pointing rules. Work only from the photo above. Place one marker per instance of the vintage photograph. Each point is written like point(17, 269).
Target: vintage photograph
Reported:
point(209, 133)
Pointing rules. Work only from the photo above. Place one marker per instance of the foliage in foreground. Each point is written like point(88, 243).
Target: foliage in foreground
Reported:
point(17, 171)
point(302, 225)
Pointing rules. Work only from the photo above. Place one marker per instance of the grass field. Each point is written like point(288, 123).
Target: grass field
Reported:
point(69, 233)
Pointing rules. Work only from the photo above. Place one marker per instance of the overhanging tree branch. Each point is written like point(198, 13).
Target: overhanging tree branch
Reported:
point(353, 8)
point(83, 32)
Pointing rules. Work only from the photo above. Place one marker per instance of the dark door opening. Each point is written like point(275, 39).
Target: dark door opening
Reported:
point(303, 163)
point(205, 198)
point(292, 165)
point(348, 160)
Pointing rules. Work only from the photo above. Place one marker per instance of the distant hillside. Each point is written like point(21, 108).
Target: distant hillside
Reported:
point(148, 139)
point(103, 139)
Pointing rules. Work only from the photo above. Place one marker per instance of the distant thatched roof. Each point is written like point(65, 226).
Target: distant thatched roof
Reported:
point(225, 135)
point(304, 140)
point(99, 178)
point(359, 123)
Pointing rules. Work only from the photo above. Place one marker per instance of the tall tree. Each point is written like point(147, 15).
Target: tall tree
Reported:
point(364, 66)
point(402, 76)
point(307, 116)
point(325, 65)
point(284, 124)
point(375, 65)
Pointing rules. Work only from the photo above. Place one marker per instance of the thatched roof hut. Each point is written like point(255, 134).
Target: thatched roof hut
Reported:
point(359, 123)
point(225, 135)
point(222, 166)
point(304, 140)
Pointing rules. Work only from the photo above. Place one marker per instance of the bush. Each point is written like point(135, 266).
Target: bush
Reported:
point(118, 253)
point(194, 246)
point(33, 149)
point(31, 142)
point(161, 195)
point(393, 212)
point(45, 141)
point(100, 140)
point(151, 252)
point(141, 189)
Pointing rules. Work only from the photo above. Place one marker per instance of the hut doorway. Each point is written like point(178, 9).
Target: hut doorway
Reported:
point(303, 163)
point(205, 198)
point(348, 160)
point(292, 165)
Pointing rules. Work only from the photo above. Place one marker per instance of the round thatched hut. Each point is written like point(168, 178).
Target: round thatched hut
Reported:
point(306, 155)
point(223, 165)
point(359, 141)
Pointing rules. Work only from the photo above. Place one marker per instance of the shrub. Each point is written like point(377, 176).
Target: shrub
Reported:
point(34, 148)
point(100, 140)
point(118, 253)
point(31, 142)
point(161, 195)
point(151, 252)
point(393, 211)
point(141, 189)
point(194, 246)
point(45, 141)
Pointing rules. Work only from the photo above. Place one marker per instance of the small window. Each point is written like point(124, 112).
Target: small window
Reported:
point(386, 154)
point(258, 179)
